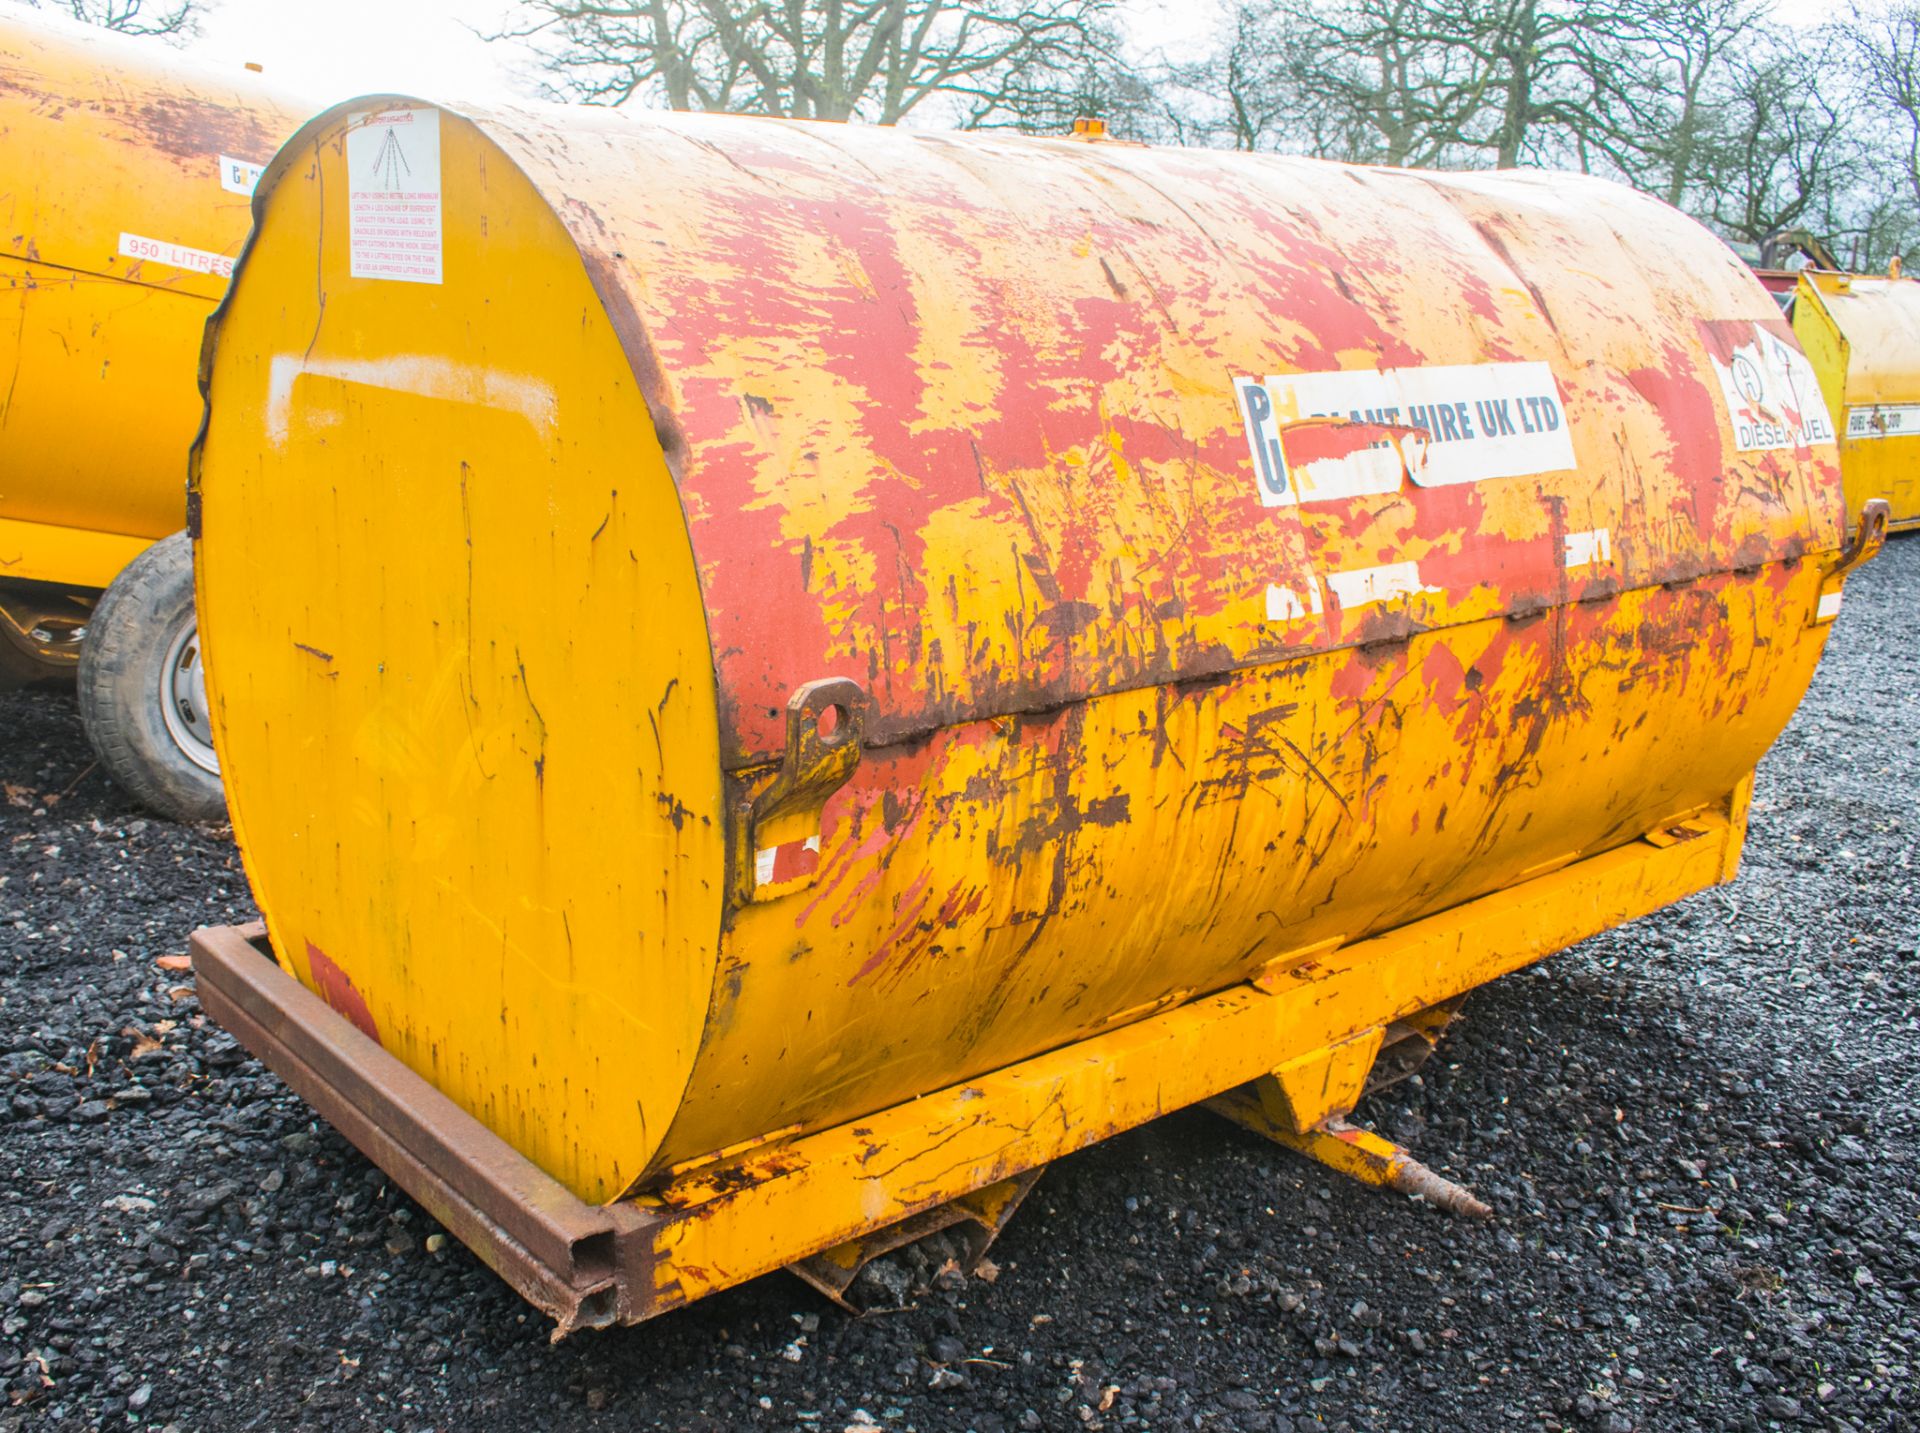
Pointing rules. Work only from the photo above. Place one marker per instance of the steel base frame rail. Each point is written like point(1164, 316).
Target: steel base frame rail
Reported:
point(817, 1199)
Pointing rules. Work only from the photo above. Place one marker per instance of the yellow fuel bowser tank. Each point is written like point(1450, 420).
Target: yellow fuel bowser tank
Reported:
point(129, 176)
point(774, 677)
point(1862, 335)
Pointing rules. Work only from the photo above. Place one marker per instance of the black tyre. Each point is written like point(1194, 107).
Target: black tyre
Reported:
point(143, 698)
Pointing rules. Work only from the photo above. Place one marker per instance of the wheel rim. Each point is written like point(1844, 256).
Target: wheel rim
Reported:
point(183, 700)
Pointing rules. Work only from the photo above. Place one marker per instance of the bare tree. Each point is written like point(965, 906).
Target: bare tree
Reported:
point(1422, 82)
point(1785, 155)
point(129, 17)
point(878, 60)
point(1346, 81)
point(1552, 70)
point(1684, 65)
point(1049, 103)
point(1883, 43)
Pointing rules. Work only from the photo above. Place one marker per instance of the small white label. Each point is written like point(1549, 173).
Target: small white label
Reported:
point(784, 863)
point(1586, 548)
point(1829, 607)
point(1318, 436)
point(1884, 420)
point(1368, 586)
point(239, 176)
point(1286, 605)
point(1773, 397)
point(1359, 587)
point(159, 251)
point(393, 195)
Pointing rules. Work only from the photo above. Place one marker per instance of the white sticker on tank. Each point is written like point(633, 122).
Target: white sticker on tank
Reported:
point(1586, 548)
point(1369, 586)
point(1884, 420)
point(239, 176)
point(393, 195)
point(159, 251)
point(1356, 587)
point(1286, 605)
point(1319, 436)
point(1773, 397)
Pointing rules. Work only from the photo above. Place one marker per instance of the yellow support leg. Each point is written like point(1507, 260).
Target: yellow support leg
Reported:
point(1304, 1103)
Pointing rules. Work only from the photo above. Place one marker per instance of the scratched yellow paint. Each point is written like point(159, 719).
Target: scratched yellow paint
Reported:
point(770, 1206)
point(1862, 335)
point(104, 137)
point(1257, 823)
point(499, 685)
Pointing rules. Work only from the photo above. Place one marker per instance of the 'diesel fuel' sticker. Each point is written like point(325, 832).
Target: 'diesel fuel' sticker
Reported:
point(1773, 397)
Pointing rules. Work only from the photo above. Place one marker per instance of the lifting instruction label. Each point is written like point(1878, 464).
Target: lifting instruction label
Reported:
point(1884, 420)
point(1315, 436)
point(393, 199)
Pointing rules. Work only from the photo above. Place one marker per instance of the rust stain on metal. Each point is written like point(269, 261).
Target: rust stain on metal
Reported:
point(336, 987)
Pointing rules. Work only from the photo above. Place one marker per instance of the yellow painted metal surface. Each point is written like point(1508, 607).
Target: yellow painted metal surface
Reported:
point(766, 1208)
point(121, 215)
point(70, 556)
point(1155, 669)
point(1862, 335)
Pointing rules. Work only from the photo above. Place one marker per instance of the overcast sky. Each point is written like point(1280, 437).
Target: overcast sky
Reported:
point(340, 48)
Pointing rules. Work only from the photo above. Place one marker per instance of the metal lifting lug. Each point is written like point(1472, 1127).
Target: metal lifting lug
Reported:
point(1869, 536)
point(826, 720)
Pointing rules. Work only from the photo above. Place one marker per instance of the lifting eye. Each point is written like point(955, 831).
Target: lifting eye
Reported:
point(832, 724)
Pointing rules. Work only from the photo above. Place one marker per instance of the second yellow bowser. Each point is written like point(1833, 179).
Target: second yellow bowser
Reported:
point(1861, 332)
point(127, 173)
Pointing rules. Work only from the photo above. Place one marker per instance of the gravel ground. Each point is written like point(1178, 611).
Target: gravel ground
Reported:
point(1698, 1132)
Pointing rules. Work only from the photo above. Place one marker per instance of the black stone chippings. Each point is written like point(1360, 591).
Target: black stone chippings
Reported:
point(1699, 1134)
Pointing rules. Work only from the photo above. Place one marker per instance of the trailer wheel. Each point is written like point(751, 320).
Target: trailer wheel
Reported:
point(143, 692)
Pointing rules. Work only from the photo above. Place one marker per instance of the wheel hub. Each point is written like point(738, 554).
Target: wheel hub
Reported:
point(183, 699)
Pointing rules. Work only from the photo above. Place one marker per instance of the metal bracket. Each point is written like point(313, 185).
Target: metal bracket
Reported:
point(780, 849)
point(1869, 536)
point(1304, 1105)
point(46, 624)
point(973, 1220)
point(1409, 1042)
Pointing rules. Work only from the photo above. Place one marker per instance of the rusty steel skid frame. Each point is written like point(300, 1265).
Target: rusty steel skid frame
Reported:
point(780, 1204)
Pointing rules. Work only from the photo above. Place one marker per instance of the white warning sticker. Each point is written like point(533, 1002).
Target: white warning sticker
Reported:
point(393, 195)
point(159, 251)
point(1316, 436)
point(1884, 420)
point(239, 176)
point(1772, 395)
